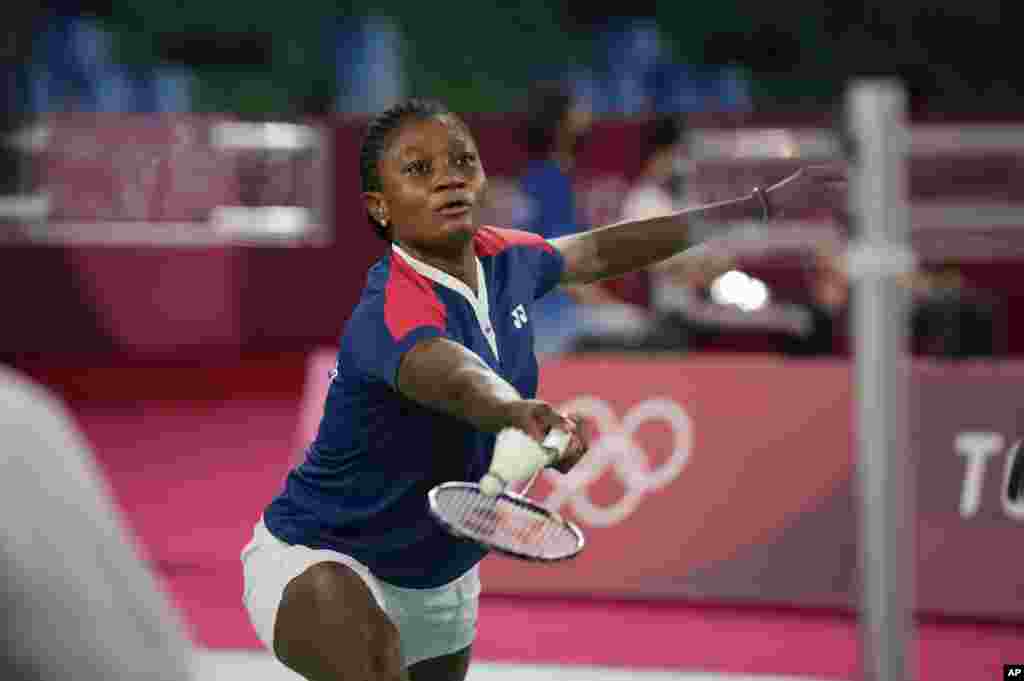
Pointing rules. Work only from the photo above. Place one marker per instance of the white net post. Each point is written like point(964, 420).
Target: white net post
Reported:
point(878, 255)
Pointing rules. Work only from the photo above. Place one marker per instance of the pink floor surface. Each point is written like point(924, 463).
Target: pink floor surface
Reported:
point(192, 476)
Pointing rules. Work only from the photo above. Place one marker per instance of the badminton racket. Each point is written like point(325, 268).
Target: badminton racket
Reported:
point(495, 517)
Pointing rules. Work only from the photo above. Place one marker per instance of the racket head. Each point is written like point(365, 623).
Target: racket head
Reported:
point(508, 523)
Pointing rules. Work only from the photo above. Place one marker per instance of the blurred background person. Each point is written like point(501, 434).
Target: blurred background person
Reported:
point(950, 317)
point(661, 185)
point(683, 314)
point(16, 38)
point(556, 125)
point(826, 306)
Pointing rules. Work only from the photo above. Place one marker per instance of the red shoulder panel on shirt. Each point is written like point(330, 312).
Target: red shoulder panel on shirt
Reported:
point(493, 240)
point(410, 300)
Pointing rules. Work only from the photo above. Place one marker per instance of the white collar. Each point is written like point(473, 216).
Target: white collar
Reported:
point(480, 303)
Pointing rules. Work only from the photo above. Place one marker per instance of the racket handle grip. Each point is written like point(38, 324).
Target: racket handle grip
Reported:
point(517, 457)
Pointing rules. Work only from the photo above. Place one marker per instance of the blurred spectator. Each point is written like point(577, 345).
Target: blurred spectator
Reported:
point(636, 73)
point(661, 186)
point(75, 68)
point(658, 190)
point(627, 49)
point(633, 48)
point(369, 64)
point(826, 307)
point(20, 22)
point(557, 123)
point(686, 88)
point(950, 318)
point(168, 89)
point(683, 313)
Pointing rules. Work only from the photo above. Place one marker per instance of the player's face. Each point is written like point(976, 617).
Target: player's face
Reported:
point(432, 182)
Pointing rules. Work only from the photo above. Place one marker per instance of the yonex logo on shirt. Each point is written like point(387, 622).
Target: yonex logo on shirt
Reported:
point(519, 316)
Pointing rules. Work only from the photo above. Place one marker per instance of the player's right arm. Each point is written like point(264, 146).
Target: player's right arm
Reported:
point(444, 375)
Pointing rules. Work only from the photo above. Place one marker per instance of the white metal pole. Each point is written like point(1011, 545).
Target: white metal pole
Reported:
point(877, 256)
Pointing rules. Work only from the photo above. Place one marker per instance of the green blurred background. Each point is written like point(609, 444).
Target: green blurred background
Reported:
point(261, 59)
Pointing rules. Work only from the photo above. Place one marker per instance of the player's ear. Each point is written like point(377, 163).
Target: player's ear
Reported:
point(377, 207)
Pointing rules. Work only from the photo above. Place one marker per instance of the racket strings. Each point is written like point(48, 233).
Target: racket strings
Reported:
point(507, 524)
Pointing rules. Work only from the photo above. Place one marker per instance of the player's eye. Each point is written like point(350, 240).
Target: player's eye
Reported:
point(419, 167)
point(466, 159)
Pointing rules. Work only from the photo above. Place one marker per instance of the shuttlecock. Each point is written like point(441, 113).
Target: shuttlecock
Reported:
point(517, 456)
point(491, 485)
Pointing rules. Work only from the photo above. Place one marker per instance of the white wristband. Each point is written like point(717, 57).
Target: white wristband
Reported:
point(517, 456)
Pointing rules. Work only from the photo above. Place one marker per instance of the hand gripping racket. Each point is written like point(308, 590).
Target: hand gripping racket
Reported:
point(505, 521)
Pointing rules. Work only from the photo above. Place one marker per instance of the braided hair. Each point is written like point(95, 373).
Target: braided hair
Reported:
point(377, 138)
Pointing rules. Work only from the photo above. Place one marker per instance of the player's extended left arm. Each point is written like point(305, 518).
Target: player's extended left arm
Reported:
point(622, 247)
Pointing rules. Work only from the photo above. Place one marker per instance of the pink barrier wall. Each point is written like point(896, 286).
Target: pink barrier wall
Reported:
point(160, 300)
point(733, 478)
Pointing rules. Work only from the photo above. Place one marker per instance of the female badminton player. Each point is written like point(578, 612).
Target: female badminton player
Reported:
point(347, 576)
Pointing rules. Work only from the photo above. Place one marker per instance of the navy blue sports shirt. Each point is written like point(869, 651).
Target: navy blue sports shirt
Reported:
point(362, 488)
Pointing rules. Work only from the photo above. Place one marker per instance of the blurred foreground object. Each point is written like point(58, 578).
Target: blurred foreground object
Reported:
point(77, 601)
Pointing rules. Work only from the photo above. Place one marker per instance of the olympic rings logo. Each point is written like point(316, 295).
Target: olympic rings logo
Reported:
point(616, 448)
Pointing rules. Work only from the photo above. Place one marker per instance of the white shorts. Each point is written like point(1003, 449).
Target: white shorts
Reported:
point(430, 622)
